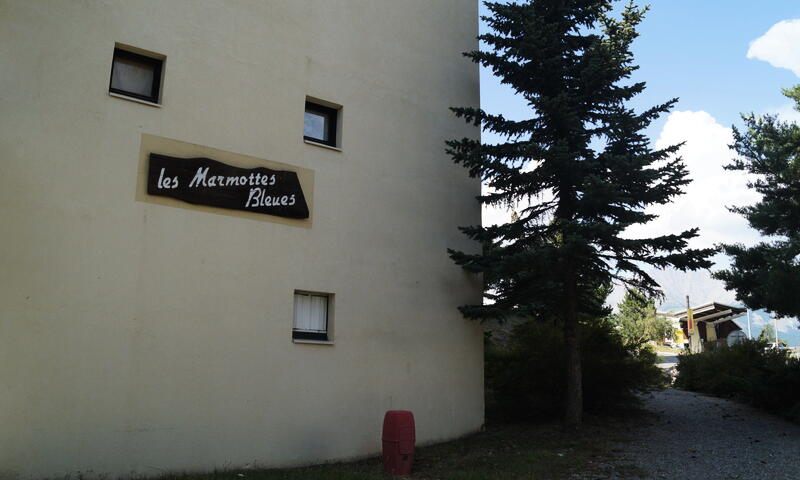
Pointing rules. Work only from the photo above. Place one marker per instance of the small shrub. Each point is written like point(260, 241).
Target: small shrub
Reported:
point(526, 380)
point(748, 372)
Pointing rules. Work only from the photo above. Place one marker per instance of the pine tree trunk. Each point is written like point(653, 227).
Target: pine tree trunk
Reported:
point(573, 411)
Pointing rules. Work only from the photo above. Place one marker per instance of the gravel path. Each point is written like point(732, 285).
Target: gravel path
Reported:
point(692, 436)
point(667, 360)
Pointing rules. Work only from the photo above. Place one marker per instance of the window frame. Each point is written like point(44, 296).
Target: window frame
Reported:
point(301, 335)
point(158, 68)
point(331, 114)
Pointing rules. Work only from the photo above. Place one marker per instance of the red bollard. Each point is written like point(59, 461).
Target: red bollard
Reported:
point(398, 442)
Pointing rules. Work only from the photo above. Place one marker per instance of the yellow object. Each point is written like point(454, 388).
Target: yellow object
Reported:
point(680, 338)
point(690, 320)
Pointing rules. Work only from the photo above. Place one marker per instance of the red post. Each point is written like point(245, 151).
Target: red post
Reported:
point(398, 442)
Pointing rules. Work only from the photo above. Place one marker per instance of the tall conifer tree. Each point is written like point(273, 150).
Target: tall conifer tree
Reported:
point(582, 162)
point(767, 275)
point(638, 322)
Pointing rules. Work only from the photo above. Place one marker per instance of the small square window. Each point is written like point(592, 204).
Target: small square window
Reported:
point(311, 313)
point(135, 75)
point(320, 124)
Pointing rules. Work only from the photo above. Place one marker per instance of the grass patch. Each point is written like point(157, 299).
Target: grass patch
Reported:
point(667, 349)
point(531, 451)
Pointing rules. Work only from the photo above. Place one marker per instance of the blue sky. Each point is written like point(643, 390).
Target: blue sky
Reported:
point(696, 51)
point(720, 58)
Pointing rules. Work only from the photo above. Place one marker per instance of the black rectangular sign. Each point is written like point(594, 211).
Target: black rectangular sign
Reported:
point(203, 181)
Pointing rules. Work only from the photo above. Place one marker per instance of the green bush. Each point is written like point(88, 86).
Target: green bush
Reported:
point(748, 372)
point(526, 379)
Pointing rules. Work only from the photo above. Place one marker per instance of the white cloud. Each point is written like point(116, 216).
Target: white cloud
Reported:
point(759, 319)
point(498, 215)
point(786, 113)
point(778, 46)
point(494, 215)
point(787, 327)
point(712, 189)
point(787, 324)
point(703, 205)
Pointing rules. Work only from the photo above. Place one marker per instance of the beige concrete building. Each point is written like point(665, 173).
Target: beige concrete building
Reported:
point(224, 231)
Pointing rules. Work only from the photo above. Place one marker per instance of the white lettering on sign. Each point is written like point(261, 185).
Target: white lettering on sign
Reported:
point(204, 181)
point(167, 182)
point(201, 179)
point(258, 197)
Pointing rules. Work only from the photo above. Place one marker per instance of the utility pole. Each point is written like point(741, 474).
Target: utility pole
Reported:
point(775, 325)
point(749, 334)
point(690, 325)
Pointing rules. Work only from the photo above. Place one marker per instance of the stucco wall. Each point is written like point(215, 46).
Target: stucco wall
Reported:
point(139, 337)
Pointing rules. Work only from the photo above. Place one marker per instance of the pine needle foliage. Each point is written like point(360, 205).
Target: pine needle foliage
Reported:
point(638, 322)
point(583, 197)
point(580, 170)
point(767, 275)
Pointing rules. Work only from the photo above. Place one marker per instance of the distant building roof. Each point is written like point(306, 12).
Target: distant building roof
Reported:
point(712, 312)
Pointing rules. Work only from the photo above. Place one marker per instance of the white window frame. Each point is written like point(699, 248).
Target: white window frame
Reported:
point(306, 335)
